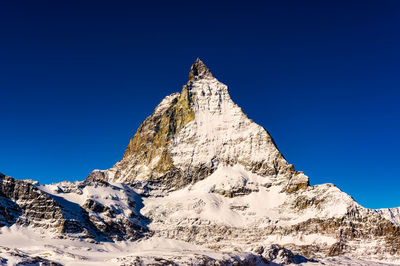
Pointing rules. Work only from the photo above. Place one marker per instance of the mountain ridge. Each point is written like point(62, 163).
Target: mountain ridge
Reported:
point(202, 101)
point(200, 175)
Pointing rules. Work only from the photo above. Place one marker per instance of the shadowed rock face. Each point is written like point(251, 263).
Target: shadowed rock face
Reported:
point(24, 204)
point(149, 147)
point(199, 71)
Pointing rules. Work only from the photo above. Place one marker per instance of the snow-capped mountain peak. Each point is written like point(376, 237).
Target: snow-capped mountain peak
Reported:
point(192, 133)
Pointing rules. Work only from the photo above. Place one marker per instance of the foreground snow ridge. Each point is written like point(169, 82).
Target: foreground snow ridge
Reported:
point(199, 184)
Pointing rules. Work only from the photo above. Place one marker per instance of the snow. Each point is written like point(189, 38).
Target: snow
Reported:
point(220, 134)
point(75, 252)
point(392, 214)
point(28, 241)
point(335, 203)
point(221, 131)
point(198, 201)
point(300, 240)
point(204, 203)
point(343, 260)
point(166, 102)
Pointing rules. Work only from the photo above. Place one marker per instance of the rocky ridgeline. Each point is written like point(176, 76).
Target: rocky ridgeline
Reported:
point(24, 204)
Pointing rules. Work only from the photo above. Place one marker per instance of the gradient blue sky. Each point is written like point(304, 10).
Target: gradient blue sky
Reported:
point(78, 77)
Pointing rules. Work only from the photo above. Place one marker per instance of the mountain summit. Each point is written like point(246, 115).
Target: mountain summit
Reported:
point(199, 71)
point(192, 133)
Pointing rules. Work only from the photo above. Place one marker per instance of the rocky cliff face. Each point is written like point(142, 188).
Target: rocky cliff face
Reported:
point(199, 171)
point(24, 204)
point(44, 207)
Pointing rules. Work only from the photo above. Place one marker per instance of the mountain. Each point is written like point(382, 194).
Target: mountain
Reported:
point(199, 183)
point(192, 133)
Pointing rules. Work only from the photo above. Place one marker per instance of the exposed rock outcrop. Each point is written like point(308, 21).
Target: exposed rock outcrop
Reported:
point(24, 204)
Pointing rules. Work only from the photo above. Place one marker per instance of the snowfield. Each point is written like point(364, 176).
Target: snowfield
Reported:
point(16, 244)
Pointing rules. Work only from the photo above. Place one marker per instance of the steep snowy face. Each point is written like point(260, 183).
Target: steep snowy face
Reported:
point(192, 133)
point(392, 214)
point(222, 134)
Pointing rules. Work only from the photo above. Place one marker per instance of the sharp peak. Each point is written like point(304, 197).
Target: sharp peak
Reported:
point(199, 71)
point(198, 61)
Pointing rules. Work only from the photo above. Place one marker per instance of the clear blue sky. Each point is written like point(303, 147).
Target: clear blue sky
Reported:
point(78, 77)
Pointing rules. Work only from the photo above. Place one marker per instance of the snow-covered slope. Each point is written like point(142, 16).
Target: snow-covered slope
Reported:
point(392, 214)
point(199, 183)
point(22, 246)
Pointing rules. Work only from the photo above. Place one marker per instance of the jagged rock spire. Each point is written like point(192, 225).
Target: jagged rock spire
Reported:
point(199, 71)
